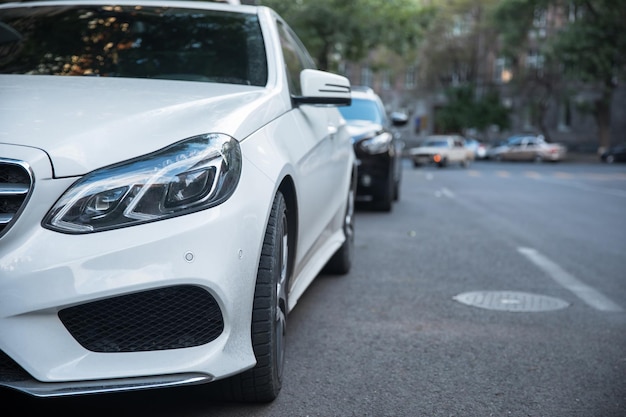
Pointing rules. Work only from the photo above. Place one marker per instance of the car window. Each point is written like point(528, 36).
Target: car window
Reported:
point(436, 143)
point(361, 109)
point(166, 43)
point(296, 57)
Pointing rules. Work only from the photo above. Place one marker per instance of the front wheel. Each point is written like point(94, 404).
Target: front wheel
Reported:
point(269, 315)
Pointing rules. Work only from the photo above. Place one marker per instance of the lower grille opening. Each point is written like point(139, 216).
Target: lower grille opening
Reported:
point(10, 371)
point(165, 318)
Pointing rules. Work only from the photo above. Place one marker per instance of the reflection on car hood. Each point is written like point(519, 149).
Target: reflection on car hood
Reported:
point(84, 123)
point(360, 129)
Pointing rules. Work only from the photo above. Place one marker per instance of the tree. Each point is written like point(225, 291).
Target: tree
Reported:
point(456, 44)
point(463, 111)
point(586, 49)
point(335, 30)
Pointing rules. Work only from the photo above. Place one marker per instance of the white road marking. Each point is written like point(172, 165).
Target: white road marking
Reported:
point(444, 192)
point(583, 291)
point(447, 193)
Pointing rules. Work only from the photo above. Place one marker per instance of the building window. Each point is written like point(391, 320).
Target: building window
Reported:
point(501, 72)
point(410, 77)
point(386, 80)
point(534, 60)
point(565, 116)
point(366, 76)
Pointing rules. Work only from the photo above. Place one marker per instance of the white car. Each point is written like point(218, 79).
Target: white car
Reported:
point(173, 176)
point(442, 150)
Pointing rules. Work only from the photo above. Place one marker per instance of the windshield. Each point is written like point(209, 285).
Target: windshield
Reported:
point(362, 110)
point(124, 41)
point(436, 144)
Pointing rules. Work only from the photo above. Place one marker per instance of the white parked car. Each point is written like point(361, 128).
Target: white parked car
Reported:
point(173, 176)
point(442, 150)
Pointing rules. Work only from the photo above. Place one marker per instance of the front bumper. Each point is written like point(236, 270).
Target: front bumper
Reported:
point(373, 176)
point(425, 158)
point(44, 273)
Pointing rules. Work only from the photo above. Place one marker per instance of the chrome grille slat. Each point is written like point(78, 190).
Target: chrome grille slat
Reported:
point(16, 182)
point(14, 189)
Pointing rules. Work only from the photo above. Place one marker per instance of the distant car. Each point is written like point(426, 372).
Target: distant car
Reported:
point(442, 150)
point(614, 154)
point(173, 176)
point(530, 148)
point(479, 148)
point(494, 148)
point(378, 147)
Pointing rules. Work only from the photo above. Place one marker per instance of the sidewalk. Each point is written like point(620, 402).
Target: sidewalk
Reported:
point(582, 157)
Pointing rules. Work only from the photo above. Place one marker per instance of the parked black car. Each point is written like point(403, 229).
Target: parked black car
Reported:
point(378, 147)
point(614, 154)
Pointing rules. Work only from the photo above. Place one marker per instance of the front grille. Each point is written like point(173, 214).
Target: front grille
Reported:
point(10, 371)
point(15, 185)
point(166, 318)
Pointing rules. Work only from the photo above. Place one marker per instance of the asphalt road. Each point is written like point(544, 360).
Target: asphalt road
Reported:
point(498, 290)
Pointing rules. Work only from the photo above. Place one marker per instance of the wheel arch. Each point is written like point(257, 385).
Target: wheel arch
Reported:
point(288, 189)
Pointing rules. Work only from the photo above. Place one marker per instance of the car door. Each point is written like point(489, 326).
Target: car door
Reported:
point(326, 149)
point(458, 150)
point(530, 149)
point(516, 149)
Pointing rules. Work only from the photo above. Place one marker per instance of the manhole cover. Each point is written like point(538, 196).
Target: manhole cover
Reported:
point(510, 301)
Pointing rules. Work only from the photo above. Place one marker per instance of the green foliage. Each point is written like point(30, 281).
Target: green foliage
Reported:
point(463, 111)
point(513, 20)
point(350, 29)
point(591, 48)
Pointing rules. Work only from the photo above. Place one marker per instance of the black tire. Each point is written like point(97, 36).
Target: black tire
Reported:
point(397, 181)
point(396, 191)
point(341, 261)
point(269, 315)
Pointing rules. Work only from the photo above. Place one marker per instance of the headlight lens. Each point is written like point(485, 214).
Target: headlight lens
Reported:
point(191, 175)
point(378, 144)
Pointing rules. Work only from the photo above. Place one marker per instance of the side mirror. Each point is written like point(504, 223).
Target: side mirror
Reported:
point(399, 118)
point(324, 88)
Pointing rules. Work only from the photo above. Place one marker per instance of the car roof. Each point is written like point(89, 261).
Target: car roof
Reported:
point(444, 137)
point(232, 5)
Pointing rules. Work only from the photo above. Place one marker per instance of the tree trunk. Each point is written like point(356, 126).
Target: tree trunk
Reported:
point(602, 113)
point(543, 128)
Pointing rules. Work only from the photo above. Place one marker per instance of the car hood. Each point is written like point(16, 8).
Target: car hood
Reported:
point(362, 129)
point(84, 123)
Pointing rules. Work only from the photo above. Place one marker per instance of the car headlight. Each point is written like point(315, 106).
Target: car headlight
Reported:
point(191, 175)
point(378, 144)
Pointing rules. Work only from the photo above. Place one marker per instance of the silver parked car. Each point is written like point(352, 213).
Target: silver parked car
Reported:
point(529, 148)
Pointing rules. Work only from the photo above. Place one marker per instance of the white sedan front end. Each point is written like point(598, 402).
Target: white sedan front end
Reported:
point(156, 229)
